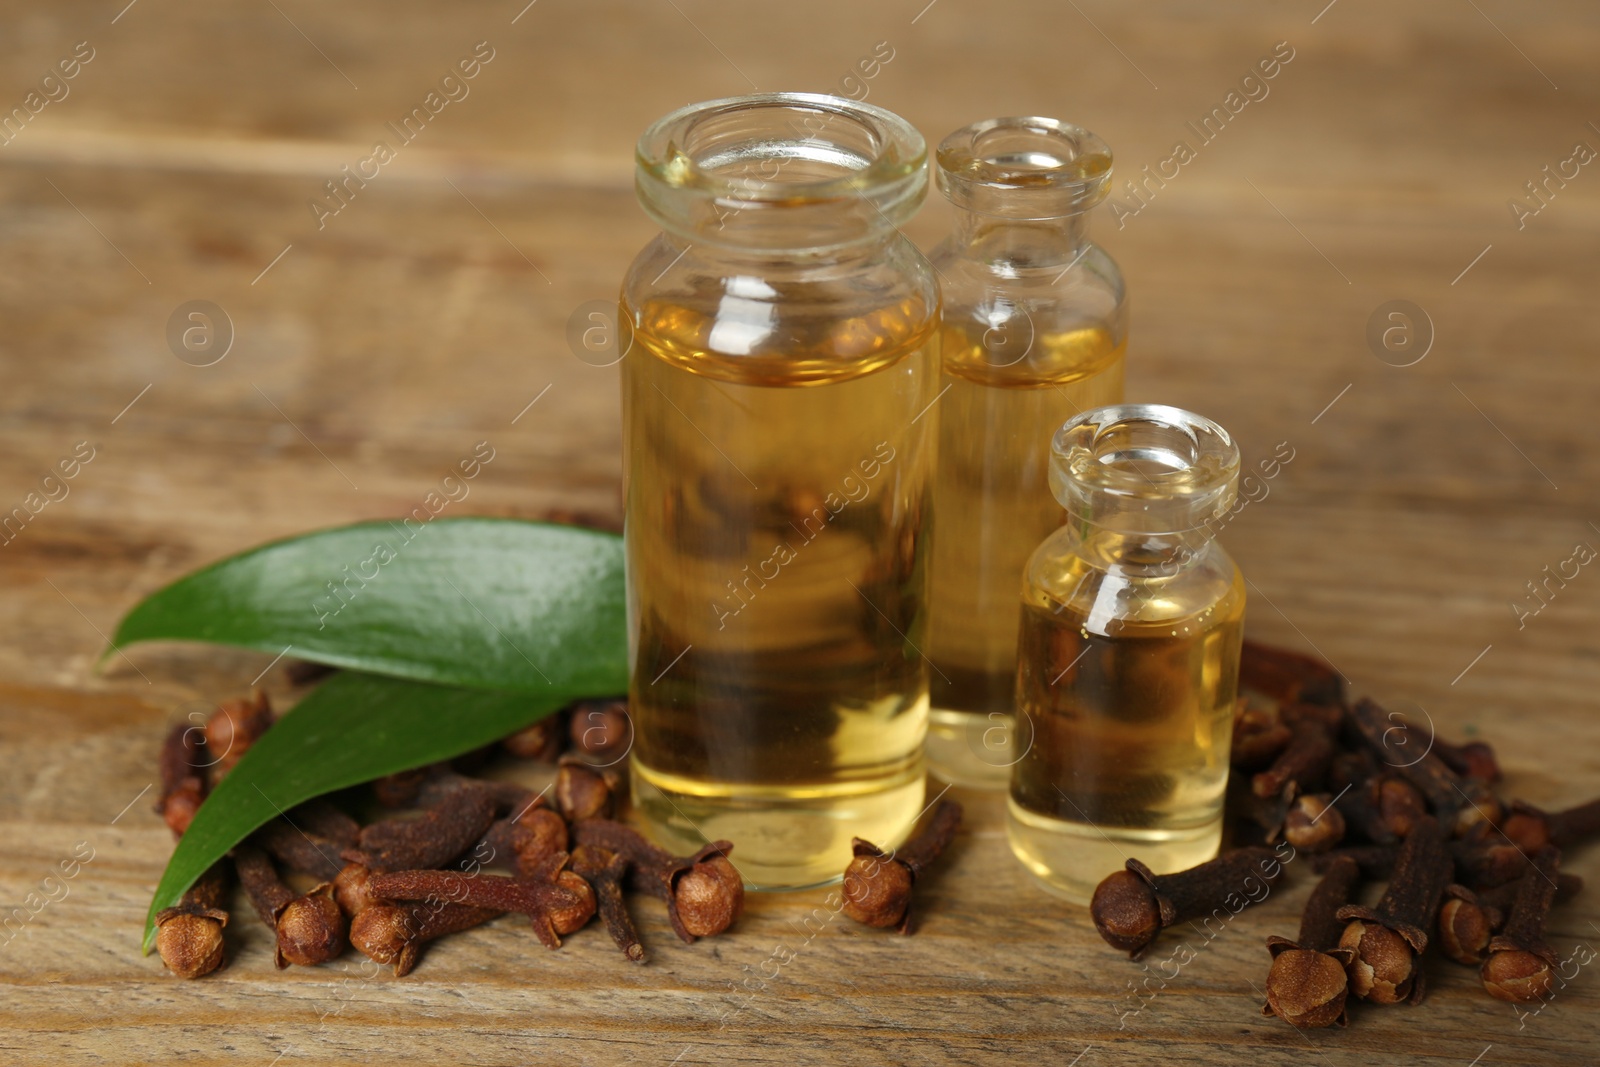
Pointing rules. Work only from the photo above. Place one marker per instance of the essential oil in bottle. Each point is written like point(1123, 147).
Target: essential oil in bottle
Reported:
point(1035, 325)
point(778, 474)
point(1128, 657)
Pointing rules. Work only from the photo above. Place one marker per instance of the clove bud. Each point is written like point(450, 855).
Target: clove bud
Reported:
point(1531, 829)
point(1289, 677)
point(189, 934)
point(1130, 907)
point(456, 820)
point(309, 929)
point(1303, 765)
point(1388, 940)
point(877, 884)
point(1313, 824)
point(235, 726)
point(1307, 985)
point(704, 892)
point(183, 778)
point(1521, 966)
point(581, 792)
point(395, 933)
point(540, 898)
point(1259, 734)
point(600, 728)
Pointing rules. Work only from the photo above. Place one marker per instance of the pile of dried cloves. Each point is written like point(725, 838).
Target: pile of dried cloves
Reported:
point(398, 882)
point(1369, 799)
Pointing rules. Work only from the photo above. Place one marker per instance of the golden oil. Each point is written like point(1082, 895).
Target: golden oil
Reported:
point(993, 507)
point(776, 509)
point(1124, 743)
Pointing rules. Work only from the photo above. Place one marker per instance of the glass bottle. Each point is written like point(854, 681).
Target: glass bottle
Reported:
point(1128, 660)
point(1035, 324)
point(777, 476)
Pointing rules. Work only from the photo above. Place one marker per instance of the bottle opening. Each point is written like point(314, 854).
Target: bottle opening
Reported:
point(1145, 467)
point(781, 143)
point(1024, 168)
point(1145, 448)
point(765, 171)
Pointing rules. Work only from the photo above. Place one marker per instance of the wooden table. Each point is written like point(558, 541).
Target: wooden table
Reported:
point(370, 354)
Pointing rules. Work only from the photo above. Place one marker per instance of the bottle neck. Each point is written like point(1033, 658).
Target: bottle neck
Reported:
point(1140, 555)
point(1023, 243)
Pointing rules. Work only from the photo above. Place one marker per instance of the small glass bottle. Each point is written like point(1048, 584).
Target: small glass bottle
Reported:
point(1035, 324)
point(1128, 660)
point(777, 475)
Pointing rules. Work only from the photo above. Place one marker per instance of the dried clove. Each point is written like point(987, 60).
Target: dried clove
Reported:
point(395, 933)
point(1130, 907)
point(1486, 864)
point(604, 871)
point(877, 884)
point(1438, 783)
point(507, 797)
point(1307, 985)
point(352, 891)
point(235, 726)
point(537, 899)
point(1266, 813)
point(704, 892)
point(456, 820)
point(1259, 734)
point(309, 929)
point(1399, 804)
point(310, 839)
point(182, 762)
point(600, 728)
point(189, 934)
point(1302, 766)
point(1388, 940)
point(1468, 920)
point(401, 789)
point(1466, 925)
point(524, 841)
point(542, 740)
point(1313, 824)
point(1289, 677)
point(573, 917)
point(581, 792)
point(1472, 759)
point(1531, 829)
point(1521, 966)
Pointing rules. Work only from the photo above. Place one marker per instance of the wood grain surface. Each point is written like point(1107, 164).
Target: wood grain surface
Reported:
point(369, 354)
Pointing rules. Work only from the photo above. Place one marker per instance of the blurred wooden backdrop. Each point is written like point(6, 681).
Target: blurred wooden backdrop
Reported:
point(368, 353)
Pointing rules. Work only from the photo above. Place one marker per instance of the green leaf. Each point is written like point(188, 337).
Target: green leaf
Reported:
point(351, 729)
point(488, 603)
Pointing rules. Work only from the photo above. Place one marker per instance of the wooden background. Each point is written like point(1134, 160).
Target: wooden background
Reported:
point(425, 316)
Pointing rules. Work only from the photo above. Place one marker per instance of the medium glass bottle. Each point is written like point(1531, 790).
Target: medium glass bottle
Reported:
point(777, 476)
point(1035, 324)
point(1128, 660)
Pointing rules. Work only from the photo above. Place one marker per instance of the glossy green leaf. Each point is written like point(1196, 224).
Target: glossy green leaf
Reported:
point(487, 603)
point(351, 729)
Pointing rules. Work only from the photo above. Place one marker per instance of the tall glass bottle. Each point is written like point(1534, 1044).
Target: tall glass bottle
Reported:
point(1035, 324)
point(777, 472)
point(1128, 665)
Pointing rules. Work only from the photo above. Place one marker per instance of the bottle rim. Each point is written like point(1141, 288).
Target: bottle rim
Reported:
point(718, 158)
point(1024, 167)
point(1151, 467)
